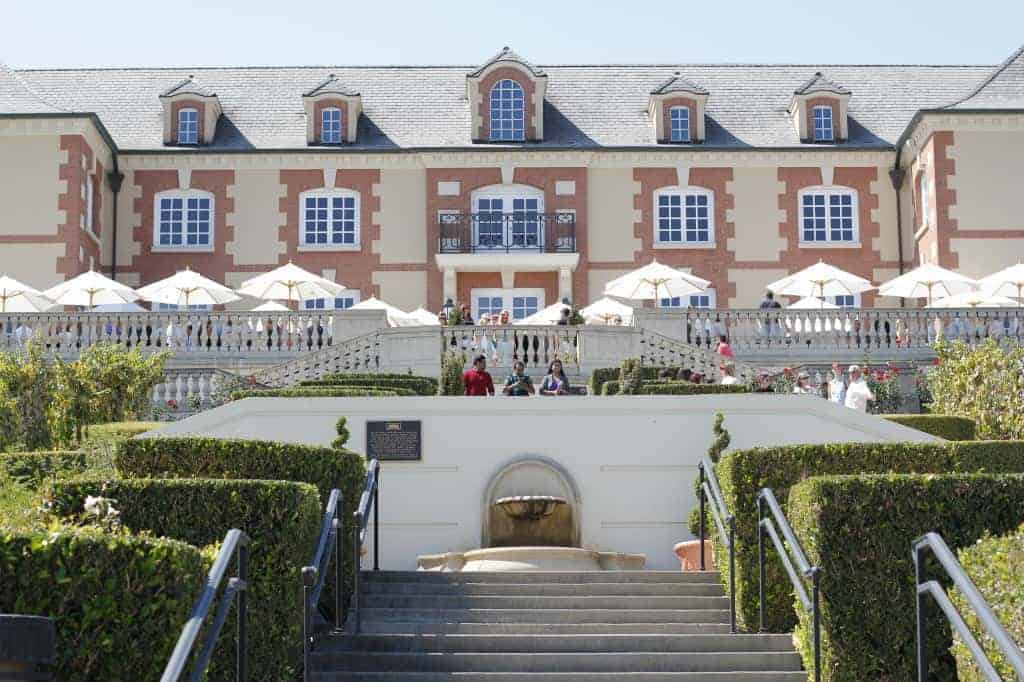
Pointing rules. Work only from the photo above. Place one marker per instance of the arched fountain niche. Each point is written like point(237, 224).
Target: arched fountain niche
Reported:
point(531, 502)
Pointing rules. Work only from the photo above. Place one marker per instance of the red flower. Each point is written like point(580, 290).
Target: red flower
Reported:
point(787, 371)
point(172, 403)
point(938, 361)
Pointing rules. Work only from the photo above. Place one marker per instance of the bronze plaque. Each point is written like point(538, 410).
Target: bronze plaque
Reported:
point(394, 441)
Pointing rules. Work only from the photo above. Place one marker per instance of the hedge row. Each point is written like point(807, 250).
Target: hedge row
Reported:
point(996, 566)
point(944, 426)
point(599, 377)
point(859, 530)
point(674, 388)
point(743, 473)
point(418, 384)
point(281, 517)
point(119, 601)
point(325, 392)
point(30, 469)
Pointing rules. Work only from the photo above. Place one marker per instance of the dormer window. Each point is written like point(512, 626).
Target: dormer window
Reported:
point(508, 120)
point(330, 125)
point(506, 98)
point(823, 123)
point(679, 118)
point(188, 126)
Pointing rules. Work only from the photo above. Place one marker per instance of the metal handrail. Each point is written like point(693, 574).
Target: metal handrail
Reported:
point(314, 576)
point(236, 544)
point(1009, 648)
point(789, 552)
point(710, 491)
point(489, 232)
point(370, 499)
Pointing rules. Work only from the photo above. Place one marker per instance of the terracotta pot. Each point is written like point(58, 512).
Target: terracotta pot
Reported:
point(689, 555)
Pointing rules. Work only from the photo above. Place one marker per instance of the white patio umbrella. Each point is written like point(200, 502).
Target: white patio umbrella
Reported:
point(187, 287)
point(605, 310)
point(927, 281)
point(974, 299)
point(812, 303)
point(550, 315)
point(91, 289)
point(820, 281)
point(1007, 282)
point(425, 317)
point(655, 281)
point(271, 307)
point(290, 283)
point(16, 297)
point(396, 317)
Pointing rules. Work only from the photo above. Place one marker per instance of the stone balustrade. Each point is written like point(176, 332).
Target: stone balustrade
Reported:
point(535, 345)
point(184, 392)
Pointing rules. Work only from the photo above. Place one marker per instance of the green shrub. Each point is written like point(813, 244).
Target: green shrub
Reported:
point(612, 387)
point(686, 388)
point(119, 601)
point(996, 566)
point(599, 376)
point(27, 378)
point(30, 469)
point(452, 365)
point(859, 529)
point(325, 392)
point(341, 428)
point(419, 384)
point(940, 425)
point(281, 517)
point(742, 473)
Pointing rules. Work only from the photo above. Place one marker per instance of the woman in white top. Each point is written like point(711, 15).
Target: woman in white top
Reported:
point(729, 374)
point(803, 385)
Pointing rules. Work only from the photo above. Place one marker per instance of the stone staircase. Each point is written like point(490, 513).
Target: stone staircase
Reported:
point(534, 627)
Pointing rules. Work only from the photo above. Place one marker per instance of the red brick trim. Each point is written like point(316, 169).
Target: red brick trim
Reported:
point(825, 102)
point(318, 119)
point(200, 108)
point(72, 171)
point(529, 87)
point(942, 169)
point(666, 115)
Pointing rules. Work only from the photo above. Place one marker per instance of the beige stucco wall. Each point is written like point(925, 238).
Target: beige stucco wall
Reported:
point(987, 185)
point(128, 220)
point(611, 214)
point(750, 285)
point(402, 216)
point(887, 242)
point(756, 214)
point(980, 257)
point(596, 279)
point(256, 217)
point(403, 289)
point(30, 184)
point(884, 275)
point(33, 264)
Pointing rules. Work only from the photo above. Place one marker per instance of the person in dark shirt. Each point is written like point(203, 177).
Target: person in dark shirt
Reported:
point(518, 382)
point(769, 301)
point(564, 319)
point(477, 380)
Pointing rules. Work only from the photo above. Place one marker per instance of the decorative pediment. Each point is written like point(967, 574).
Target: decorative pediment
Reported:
point(506, 99)
point(343, 106)
point(686, 123)
point(191, 111)
point(830, 122)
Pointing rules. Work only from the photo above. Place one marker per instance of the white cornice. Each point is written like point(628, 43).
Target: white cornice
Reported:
point(933, 122)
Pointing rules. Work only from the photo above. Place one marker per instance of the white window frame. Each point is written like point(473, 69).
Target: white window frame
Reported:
point(87, 219)
point(184, 195)
point(188, 134)
point(829, 242)
point(338, 134)
point(922, 188)
point(506, 295)
point(508, 132)
point(683, 193)
point(856, 300)
point(321, 303)
point(329, 194)
point(686, 302)
point(508, 194)
point(822, 134)
point(684, 132)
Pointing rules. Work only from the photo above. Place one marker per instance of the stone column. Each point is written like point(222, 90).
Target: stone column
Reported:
point(565, 286)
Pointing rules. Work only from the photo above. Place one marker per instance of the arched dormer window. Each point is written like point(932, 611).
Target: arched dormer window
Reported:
point(183, 220)
point(828, 216)
point(508, 117)
point(684, 217)
point(822, 118)
point(330, 125)
point(188, 126)
point(679, 119)
point(329, 220)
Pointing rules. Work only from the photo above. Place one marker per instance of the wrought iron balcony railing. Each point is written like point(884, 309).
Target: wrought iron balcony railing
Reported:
point(524, 231)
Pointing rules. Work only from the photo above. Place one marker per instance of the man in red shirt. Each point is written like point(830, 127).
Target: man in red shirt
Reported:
point(477, 380)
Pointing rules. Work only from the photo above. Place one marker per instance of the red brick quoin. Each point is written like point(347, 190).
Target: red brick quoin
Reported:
point(529, 91)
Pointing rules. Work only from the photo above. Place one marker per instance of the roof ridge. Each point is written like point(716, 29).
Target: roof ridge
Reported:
point(991, 77)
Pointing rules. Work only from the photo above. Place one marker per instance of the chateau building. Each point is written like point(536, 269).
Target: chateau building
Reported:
point(511, 185)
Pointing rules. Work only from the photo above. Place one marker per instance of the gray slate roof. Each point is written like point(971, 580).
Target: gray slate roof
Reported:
point(818, 83)
point(188, 86)
point(678, 84)
point(507, 54)
point(331, 85)
point(17, 98)
point(1003, 89)
point(425, 106)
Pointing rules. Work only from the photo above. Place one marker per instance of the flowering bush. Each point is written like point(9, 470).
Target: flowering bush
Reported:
point(884, 382)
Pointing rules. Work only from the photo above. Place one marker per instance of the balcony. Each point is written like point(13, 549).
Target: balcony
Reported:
point(520, 232)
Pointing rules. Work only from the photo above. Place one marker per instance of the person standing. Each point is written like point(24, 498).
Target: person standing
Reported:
point(723, 348)
point(858, 394)
point(769, 301)
point(518, 382)
point(836, 385)
point(477, 380)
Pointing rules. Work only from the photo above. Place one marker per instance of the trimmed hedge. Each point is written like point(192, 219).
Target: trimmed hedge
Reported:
point(325, 392)
point(859, 530)
point(418, 384)
point(119, 601)
point(742, 473)
point(599, 377)
point(996, 566)
point(944, 426)
point(282, 518)
point(31, 469)
point(687, 388)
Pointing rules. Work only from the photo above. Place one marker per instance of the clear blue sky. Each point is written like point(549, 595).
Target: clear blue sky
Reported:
point(37, 33)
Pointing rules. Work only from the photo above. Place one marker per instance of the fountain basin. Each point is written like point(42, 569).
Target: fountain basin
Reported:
point(530, 507)
point(531, 559)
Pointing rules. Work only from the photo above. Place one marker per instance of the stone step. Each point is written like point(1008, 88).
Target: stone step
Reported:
point(555, 643)
point(421, 628)
point(620, 662)
point(541, 589)
point(739, 676)
point(445, 602)
point(544, 577)
point(518, 615)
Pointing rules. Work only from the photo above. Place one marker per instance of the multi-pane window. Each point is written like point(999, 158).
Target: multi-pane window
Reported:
point(330, 126)
point(521, 303)
point(184, 221)
point(923, 193)
point(87, 219)
point(679, 120)
point(683, 218)
point(188, 126)
point(509, 222)
point(330, 220)
point(508, 111)
point(523, 306)
point(489, 305)
point(703, 300)
point(822, 117)
point(828, 216)
point(343, 302)
point(846, 301)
